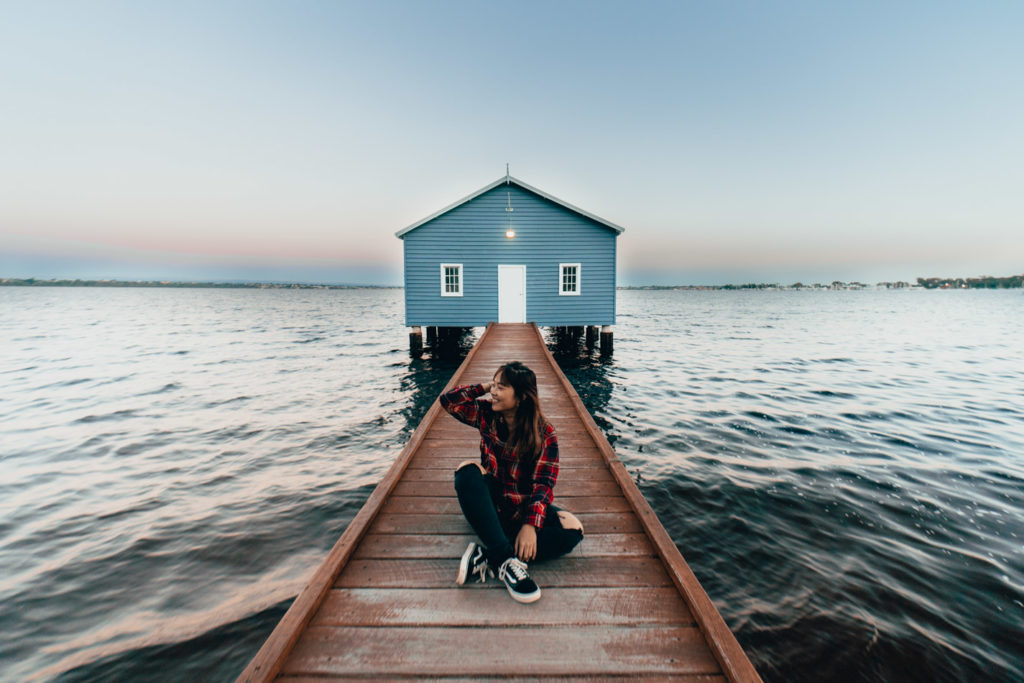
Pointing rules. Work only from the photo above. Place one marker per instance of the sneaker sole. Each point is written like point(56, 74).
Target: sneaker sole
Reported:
point(463, 574)
point(525, 599)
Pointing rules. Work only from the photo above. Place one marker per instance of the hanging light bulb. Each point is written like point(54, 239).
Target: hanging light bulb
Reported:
point(510, 233)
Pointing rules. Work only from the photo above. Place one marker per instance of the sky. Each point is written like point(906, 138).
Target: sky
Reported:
point(734, 141)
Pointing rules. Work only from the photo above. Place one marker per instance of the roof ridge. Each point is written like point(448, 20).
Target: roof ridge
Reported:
point(529, 188)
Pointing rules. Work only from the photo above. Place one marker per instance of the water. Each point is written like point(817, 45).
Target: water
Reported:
point(842, 470)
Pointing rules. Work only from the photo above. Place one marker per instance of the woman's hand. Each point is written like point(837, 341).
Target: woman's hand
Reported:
point(487, 387)
point(526, 543)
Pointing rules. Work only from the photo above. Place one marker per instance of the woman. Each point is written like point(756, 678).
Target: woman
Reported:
point(506, 497)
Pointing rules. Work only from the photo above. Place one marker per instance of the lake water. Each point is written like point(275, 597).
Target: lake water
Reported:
point(842, 470)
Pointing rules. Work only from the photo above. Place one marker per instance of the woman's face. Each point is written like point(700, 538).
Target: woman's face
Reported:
point(503, 396)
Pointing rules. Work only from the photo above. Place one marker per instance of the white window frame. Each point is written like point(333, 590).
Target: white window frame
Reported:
point(561, 275)
point(444, 291)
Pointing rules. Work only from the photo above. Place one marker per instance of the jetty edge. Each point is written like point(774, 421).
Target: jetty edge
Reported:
point(383, 603)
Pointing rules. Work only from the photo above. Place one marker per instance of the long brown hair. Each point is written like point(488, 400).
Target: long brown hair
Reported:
point(527, 436)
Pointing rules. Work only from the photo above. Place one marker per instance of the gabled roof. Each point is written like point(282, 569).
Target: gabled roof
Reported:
point(511, 181)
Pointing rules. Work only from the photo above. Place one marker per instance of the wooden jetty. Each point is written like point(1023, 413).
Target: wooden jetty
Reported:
point(384, 604)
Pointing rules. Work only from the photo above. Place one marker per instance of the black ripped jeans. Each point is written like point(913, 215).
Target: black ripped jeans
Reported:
point(478, 495)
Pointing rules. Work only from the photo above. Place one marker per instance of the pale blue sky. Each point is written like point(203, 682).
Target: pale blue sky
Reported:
point(735, 141)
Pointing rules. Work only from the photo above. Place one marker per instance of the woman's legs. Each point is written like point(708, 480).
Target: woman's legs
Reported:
point(474, 492)
point(560, 534)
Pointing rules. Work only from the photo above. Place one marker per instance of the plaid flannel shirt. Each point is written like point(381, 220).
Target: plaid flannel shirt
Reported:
point(527, 486)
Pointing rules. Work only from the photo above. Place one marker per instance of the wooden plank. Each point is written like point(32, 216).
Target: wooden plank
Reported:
point(579, 505)
point(566, 463)
point(557, 416)
point(452, 546)
point(734, 661)
point(270, 657)
point(469, 442)
point(560, 650)
point(457, 607)
point(567, 457)
point(451, 443)
point(396, 523)
point(444, 489)
point(470, 450)
point(565, 474)
point(568, 427)
point(681, 678)
point(467, 451)
point(574, 572)
point(554, 410)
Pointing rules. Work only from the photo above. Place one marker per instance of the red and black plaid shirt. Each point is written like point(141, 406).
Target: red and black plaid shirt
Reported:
point(527, 484)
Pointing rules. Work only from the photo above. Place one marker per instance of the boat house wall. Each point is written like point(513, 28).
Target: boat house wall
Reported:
point(548, 233)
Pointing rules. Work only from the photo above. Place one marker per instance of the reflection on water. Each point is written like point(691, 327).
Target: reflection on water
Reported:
point(842, 470)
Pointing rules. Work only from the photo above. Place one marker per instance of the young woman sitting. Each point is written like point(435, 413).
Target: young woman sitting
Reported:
point(507, 496)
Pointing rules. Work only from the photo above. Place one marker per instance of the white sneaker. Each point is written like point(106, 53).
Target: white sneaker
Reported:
point(518, 582)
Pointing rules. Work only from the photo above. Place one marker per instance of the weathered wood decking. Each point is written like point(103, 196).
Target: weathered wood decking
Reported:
point(384, 603)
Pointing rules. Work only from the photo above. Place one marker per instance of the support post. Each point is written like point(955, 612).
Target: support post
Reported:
point(431, 335)
point(591, 336)
point(416, 341)
point(606, 339)
point(564, 337)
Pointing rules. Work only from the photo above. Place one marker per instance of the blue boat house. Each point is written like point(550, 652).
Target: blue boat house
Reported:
point(510, 253)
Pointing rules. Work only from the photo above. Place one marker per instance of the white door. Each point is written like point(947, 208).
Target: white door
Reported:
point(511, 294)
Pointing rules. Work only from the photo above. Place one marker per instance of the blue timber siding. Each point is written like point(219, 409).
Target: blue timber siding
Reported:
point(473, 234)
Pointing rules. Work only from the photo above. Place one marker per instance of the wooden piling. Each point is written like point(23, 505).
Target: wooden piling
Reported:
point(416, 341)
point(606, 339)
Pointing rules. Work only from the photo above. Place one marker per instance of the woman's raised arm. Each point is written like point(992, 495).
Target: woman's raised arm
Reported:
point(461, 403)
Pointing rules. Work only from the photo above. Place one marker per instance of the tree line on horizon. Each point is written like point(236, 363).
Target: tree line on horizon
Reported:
point(983, 282)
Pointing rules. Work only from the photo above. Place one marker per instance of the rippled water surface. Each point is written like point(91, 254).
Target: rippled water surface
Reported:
point(842, 470)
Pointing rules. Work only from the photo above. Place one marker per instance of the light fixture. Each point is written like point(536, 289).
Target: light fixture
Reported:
point(510, 233)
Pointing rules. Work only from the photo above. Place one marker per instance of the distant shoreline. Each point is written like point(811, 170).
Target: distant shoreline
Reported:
point(986, 282)
point(33, 282)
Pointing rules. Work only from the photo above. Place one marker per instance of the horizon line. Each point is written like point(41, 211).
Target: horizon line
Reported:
point(242, 283)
